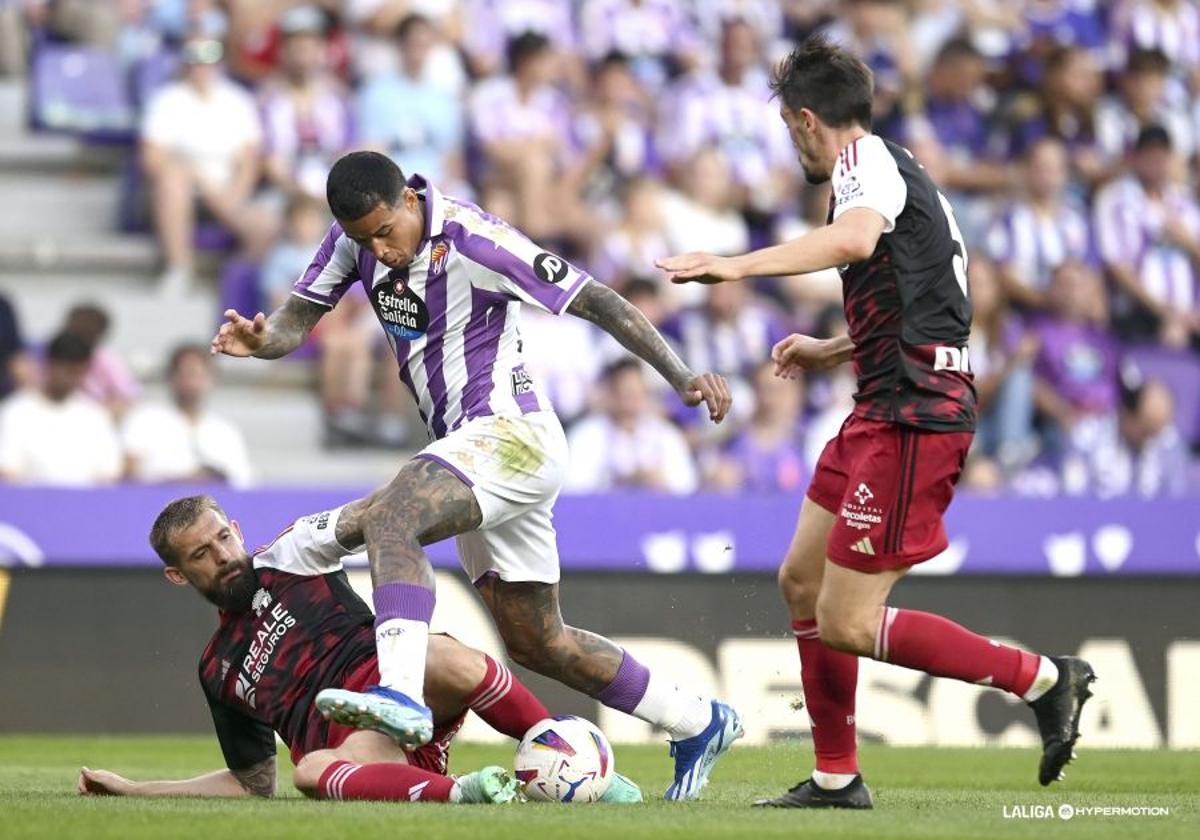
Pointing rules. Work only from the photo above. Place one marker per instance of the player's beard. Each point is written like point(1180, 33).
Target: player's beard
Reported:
point(235, 594)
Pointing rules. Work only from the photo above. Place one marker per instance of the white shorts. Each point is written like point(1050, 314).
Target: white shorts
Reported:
point(515, 465)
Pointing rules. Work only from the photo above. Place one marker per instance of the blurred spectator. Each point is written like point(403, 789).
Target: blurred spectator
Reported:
point(1148, 232)
point(495, 24)
point(1136, 453)
point(630, 248)
point(306, 113)
point(702, 216)
point(1170, 26)
point(628, 446)
point(731, 111)
point(305, 223)
point(767, 456)
point(201, 150)
point(521, 123)
point(1076, 364)
point(952, 136)
point(1065, 108)
point(1040, 229)
point(731, 333)
point(656, 36)
point(879, 31)
point(429, 138)
point(183, 440)
point(109, 380)
point(1001, 354)
point(1141, 101)
point(16, 367)
point(612, 134)
point(54, 434)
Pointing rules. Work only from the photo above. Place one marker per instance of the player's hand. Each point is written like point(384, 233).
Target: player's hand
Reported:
point(102, 783)
point(797, 353)
point(710, 389)
point(699, 267)
point(240, 336)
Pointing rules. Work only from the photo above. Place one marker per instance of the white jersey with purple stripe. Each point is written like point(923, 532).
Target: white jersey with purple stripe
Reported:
point(451, 315)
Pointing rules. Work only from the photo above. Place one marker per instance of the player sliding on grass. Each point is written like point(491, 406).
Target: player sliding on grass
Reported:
point(875, 505)
point(447, 282)
point(290, 629)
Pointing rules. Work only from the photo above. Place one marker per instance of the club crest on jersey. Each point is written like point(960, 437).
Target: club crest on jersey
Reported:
point(437, 257)
point(402, 313)
point(262, 599)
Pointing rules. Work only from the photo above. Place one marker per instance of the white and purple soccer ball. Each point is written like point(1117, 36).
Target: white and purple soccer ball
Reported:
point(564, 759)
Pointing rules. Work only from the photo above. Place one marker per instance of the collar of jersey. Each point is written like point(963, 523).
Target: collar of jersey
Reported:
point(435, 216)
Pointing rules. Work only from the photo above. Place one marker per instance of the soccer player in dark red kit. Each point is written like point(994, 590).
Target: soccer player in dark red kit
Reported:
point(291, 630)
point(875, 504)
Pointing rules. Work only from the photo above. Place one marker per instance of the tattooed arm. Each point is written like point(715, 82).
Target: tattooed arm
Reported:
point(268, 338)
point(258, 780)
point(624, 322)
point(349, 529)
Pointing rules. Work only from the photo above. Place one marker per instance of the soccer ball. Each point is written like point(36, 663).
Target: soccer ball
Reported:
point(564, 759)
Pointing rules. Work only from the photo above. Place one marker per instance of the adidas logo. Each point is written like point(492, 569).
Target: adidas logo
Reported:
point(864, 546)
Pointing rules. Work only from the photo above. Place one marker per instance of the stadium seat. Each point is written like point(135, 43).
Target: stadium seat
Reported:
point(151, 73)
point(81, 90)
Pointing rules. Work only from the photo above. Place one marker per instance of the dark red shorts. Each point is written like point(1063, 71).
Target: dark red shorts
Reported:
point(889, 486)
point(434, 756)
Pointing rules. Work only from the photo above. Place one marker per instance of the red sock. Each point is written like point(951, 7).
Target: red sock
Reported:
point(504, 702)
point(942, 648)
point(383, 782)
point(830, 679)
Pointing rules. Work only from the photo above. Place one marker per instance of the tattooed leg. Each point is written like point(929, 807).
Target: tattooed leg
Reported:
point(530, 622)
point(425, 503)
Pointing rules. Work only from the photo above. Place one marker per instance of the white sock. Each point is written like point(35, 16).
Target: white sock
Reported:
point(832, 781)
point(401, 644)
point(456, 793)
point(1047, 676)
point(679, 712)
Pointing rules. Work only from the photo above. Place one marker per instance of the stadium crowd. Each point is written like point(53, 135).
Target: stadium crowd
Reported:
point(1063, 132)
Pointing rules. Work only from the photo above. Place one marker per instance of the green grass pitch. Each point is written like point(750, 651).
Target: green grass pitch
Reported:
point(919, 793)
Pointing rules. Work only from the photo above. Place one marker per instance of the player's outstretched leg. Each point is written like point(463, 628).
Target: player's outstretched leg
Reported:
point(530, 622)
point(852, 617)
point(399, 782)
point(830, 677)
point(425, 503)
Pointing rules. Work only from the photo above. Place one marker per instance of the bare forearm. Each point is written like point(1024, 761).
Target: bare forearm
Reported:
point(349, 529)
point(840, 349)
point(824, 247)
point(624, 322)
point(288, 327)
point(220, 783)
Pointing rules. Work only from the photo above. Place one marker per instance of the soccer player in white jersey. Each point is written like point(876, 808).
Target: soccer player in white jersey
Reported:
point(447, 282)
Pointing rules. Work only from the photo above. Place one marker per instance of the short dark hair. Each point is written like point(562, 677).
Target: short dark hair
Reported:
point(179, 514)
point(957, 48)
point(361, 181)
point(1147, 61)
point(1153, 137)
point(408, 23)
point(182, 351)
point(523, 47)
point(625, 364)
point(827, 80)
point(88, 319)
point(69, 348)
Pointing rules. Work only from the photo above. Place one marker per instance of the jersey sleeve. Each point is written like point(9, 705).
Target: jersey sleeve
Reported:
point(332, 271)
point(308, 547)
point(509, 263)
point(244, 741)
point(866, 175)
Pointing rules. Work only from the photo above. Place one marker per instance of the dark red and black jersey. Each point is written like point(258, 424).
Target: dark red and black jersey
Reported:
point(306, 631)
point(906, 305)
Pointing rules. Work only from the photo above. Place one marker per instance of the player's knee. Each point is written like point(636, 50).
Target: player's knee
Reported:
point(307, 776)
point(845, 632)
point(799, 590)
point(529, 649)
